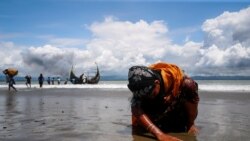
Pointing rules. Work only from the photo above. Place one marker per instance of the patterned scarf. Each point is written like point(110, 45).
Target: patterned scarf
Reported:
point(141, 81)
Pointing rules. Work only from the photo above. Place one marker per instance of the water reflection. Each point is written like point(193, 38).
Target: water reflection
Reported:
point(10, 102)
point(140, 134)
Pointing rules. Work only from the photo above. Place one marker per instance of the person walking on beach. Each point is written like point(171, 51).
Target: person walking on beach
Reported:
point(48, 80)
point(40, 80)
point(58, 80)
point(28, 80)
point(11, 83)
point(52, 81)
point(164, 100)
point(66, 81)
point(10, 73)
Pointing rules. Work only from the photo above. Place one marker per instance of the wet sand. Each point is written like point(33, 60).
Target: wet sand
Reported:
point(59, 114)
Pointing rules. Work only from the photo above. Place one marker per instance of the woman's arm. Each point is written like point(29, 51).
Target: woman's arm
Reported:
point(145, 121)
point(192, 112)
point(190, 91)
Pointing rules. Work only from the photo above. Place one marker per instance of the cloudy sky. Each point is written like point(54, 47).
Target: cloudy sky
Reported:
point(51, 36)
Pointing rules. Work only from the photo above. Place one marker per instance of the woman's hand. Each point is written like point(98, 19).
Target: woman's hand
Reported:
point(165, 137)
point(193, 130)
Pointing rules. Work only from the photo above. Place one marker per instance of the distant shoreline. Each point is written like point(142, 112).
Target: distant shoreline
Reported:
point(124, 78)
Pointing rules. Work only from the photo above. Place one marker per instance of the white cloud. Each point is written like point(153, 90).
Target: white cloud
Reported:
point(10, 54)
point(227, 44)
point(54, 60)
point(212, 56)
point(66, 42)
point(228, 29)
point(120, 44)
point(63, 42)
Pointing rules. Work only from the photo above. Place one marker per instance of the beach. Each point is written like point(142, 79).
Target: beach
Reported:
point(103, 114)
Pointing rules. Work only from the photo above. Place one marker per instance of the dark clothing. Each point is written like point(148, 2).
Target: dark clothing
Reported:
point(28, 80)
point(40, 80)
point(48, 80)
point(52, 81)
point(11, 82)
point(176, 114)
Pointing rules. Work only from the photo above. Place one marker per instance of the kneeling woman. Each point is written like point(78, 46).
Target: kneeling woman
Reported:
point(164, 100)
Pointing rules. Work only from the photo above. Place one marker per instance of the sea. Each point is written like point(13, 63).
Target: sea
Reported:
point(204, 85)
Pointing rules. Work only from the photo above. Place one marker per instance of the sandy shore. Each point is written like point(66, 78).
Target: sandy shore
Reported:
point(59, 114)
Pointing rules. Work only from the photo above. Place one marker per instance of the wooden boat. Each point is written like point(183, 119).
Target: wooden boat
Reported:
point(96, 78)
point(83, 79)
point(74, 79)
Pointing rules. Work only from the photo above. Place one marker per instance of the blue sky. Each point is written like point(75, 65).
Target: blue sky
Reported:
point(29, 19)
point(66, 24)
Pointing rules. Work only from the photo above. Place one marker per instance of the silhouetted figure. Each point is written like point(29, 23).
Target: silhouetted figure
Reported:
point(10, 73)
point(66, 81)
point(48, 80)
point(28, 80)
point(11, 83)
point(52, 81)
point(40, 80)
point(58, 80)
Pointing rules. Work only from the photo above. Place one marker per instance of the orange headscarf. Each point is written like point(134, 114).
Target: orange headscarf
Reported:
point(172, 77)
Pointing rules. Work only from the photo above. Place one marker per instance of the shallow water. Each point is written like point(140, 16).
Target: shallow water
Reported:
point(224, 116)
point(58, 114)
point(204, 85)
point(104, 114)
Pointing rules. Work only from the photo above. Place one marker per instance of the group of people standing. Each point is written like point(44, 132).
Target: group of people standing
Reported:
point(41, 80)
point(52, 80)
point(10, 73)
